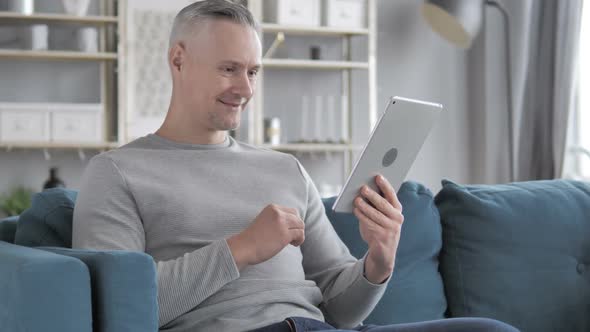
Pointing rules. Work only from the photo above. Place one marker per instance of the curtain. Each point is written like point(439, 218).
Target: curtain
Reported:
point(544, 36)
point(549, 89)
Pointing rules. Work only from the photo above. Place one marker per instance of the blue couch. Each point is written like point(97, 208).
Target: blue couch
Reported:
point(518, 252)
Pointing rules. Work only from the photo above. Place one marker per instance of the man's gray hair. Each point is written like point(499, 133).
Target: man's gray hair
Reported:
point(197, 12)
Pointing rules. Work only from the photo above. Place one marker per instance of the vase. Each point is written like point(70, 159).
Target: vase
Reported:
point(26, 7)
point(76, 7)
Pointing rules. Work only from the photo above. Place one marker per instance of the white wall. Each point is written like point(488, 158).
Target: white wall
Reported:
point(412, 62)
point(31, 169)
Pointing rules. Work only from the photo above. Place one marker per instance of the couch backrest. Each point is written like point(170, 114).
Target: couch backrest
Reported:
point(415, 292)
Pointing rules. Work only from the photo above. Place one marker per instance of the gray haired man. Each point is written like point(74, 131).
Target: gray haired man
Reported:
point(238, 233)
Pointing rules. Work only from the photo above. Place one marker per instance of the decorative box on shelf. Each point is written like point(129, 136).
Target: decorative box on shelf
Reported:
point(292, 12)
point(344, 13)
point(51, 122)
point(77, 123)
point(24, 123)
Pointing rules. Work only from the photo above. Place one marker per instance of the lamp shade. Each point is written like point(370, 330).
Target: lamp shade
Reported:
point(458, 21)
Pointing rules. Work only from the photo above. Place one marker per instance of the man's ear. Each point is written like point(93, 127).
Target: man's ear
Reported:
point(176, 56)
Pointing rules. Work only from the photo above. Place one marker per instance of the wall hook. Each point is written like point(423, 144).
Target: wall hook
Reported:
point(46, 155)
point(81, 155)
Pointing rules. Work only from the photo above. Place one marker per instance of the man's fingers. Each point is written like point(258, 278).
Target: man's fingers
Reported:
point(294, 222)
point(371, 213)
point(363, 219)
point(388, 191)
point(298, 237)
point(378, 201)
point(288, 210)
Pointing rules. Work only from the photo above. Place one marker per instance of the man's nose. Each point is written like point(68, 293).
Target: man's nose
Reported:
point(244, 86)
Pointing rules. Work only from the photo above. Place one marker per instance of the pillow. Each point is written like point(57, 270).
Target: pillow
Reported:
point(48, 222)
point(518, 253)
point(415, 292)
point(8, 229)
point(124, 288)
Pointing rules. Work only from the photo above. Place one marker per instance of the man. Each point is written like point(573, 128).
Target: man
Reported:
point(238, 233)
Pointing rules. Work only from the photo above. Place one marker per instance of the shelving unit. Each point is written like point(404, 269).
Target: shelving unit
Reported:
point(116, 43)
point(107, 56)
point(345, 65)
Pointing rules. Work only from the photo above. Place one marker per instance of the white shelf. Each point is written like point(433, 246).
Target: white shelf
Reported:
point(313, 147)
point(313, 31)
point(7, 17)
point(49, 106)
point(57, 55)
point(58, 145)
point(313, 64)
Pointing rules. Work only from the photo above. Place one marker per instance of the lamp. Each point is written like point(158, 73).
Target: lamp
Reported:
point(459, 21)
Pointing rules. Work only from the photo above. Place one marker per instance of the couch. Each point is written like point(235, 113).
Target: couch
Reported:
point(516, 252)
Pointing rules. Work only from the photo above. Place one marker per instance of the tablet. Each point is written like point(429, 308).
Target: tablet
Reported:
point(391, 149)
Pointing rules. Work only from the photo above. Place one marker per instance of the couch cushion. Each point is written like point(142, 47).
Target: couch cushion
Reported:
point(42, 291)
point(124, 289)
point(48, 222)
point(8, 229)
point(519, 253)
point(415, 292)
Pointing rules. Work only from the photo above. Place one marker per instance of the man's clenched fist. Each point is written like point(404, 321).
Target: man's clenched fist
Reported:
point(273, 229)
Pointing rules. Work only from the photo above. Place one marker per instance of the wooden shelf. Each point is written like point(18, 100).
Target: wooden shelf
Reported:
point(17, 18)
point(57, 55)
point(312, 31)
point(313, 64)
point(58, 145)
point(313, 147)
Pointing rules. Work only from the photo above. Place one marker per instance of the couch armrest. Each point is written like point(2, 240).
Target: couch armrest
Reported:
point(124, 288)
point(42, 291)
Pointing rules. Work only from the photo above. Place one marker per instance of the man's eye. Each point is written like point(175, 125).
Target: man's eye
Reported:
point(253, 73)
point(229, 69)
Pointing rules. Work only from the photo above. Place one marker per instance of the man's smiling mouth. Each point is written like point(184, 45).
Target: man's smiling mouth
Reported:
point(230, 104)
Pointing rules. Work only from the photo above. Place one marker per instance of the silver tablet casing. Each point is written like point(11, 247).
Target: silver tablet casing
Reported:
point(391, 149)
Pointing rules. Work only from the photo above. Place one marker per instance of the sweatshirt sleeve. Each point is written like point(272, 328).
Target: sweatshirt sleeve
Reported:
point(348, 297)
point(106, 218)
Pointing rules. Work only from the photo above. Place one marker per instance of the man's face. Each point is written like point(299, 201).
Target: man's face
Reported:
point(218, 74)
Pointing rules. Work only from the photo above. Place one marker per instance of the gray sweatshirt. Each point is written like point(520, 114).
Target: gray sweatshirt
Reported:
point(180, 202)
